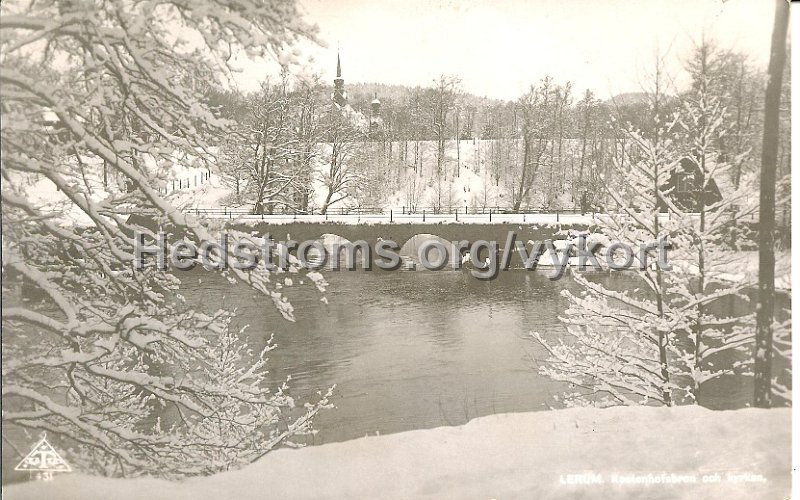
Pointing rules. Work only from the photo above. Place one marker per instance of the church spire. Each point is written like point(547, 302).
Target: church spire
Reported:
point(339, 95)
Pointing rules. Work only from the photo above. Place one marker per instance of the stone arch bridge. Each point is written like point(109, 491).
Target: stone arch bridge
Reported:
point(403, 233)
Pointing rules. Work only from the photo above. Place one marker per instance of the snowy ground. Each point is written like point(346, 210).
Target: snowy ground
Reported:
point(525, 455)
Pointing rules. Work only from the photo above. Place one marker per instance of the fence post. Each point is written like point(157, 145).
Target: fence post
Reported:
point(423, 215)
point(557, 217)
point(456, 215)
point(391, 216)
point(490, 215)
point(466, 209)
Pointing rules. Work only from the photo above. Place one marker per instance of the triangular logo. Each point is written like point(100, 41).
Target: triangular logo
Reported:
point(43, 458)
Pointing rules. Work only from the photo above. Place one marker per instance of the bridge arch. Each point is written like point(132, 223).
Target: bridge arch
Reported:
point(344, 253)
point(435, 245)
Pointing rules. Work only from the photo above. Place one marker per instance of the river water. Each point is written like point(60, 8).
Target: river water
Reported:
point(412, 350)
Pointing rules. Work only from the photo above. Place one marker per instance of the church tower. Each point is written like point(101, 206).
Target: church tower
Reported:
point(339, 95)
point(375, 120)
point(376, 106)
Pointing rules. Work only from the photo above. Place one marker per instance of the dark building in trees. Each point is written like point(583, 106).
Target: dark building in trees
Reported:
point(685, 187)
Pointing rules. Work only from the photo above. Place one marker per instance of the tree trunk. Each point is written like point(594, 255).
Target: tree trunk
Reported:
point(458, 148)
point(525, 161)
point(762, 397)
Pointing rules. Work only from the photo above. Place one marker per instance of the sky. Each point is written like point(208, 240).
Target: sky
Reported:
point(499, 48)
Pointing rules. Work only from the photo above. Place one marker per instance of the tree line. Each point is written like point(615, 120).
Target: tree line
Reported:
point(548, 149)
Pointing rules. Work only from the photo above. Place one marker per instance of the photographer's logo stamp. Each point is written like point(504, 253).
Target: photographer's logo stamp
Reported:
point(43, 461)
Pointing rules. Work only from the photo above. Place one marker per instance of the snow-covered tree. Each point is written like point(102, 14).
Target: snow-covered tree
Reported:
point(534, 139)
point(710, 269)
point(340, 174)
point(110, 360)
point(234, 168)
point(621, 342)
point(264, 160)
point(664, 339)
point(441, 101)
point(307, 131)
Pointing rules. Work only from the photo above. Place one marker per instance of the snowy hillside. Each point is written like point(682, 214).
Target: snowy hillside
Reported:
point(182, 180)
point(475, 174)
point(550, 454)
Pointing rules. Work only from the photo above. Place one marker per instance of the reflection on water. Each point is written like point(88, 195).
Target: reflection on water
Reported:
point(412, 350)
point(416, 350)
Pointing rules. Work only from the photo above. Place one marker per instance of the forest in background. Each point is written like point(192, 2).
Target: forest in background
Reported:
point(548, 150)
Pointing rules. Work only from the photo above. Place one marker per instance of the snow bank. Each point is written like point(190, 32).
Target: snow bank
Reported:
point(522, 455)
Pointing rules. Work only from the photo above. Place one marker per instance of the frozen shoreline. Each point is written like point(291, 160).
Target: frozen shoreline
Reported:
point(549, 454)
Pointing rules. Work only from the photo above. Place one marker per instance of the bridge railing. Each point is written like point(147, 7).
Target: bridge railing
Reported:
point(497, 209)
point(436, 214)
point(242, 211)
point(367, 210)
point(393, 214)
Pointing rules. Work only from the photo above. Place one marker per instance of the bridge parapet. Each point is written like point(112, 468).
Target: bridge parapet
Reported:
point(401, 233)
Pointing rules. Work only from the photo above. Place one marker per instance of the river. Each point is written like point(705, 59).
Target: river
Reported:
point(413, 350)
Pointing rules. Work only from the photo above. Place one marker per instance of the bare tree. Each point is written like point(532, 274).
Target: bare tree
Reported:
point(442, 100)
point(341, 177)
point(766, 231)
point(307, 132)
point(588, 109)
point(537, 135)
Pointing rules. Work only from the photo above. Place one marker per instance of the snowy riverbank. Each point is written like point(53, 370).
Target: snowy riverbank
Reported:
point(523, 455)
